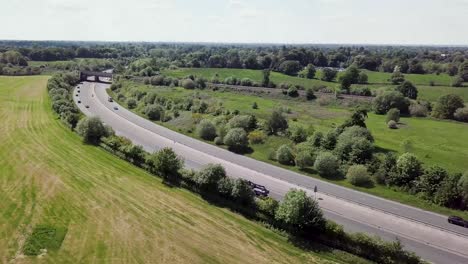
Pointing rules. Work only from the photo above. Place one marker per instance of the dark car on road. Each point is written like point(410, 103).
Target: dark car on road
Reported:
point(79, 101)
point(116, 108)
point(110, 99)
point(87, 106)
point(456, 220)
point(258, 189)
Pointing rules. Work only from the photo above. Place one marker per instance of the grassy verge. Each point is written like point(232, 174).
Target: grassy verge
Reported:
point(112, 211)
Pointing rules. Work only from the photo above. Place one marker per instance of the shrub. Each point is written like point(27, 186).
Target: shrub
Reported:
point(284, 155)
point(246, 82)
point(363, 78)
point(188, 84)
point(397, 77)
point(157, 80)
point(165, 163)
point(310, 94)
point(92, 130)
point(392, 124)
point(354, 145)
point(461, 114)
point(292, 91)
point(357, 175)
point(408, 90)
point(267, 206)
point(276, 123)
point(388, 100)
point(257, 137)
point(300, 212)
point(431, 180)
point(449, 193)
point(246, 122)
point(463, 187)
point(208, 177)
point(457, 82)
point(326, 164)
point(328, 74)
point(304, 159)
point(206, 130)
point(154, 112)
point(418, 110)
point(297, 133)
point(447, 105)
point(290, 67)
point(254, 105)
point(393, 114)
point(236, 139)
point(409, 168)
point(131, 103)
point(242, 192)
point(316, 139)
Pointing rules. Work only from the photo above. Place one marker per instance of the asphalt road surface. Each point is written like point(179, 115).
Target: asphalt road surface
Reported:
point(426, 233)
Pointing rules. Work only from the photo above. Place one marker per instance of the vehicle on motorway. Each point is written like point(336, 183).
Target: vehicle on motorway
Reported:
point(110, 99)
point(78, 91)
point(87, 106)
point(76, 94)
point(456, 220)
point(116, 108)
point(79, 101)
point(258, 189)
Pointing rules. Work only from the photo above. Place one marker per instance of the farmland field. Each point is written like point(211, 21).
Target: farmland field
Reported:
point(104, 209)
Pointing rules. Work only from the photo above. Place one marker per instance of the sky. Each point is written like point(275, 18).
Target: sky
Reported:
point(414, 22)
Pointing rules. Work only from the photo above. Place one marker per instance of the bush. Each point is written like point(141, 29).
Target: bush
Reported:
point(408, 90)
point(304, 159)
point(242, 192)
point(257, 137)
point(218, 141)
point(92, 130)
point(393, 115)
point(300, 212)
point(165, 163)
point(276, 123)
point(363, 78)
point(418, 110)
point(292, 91)
point(290, 67)
point(297, 133)
point(284, 155)
point(188, 84)
point(267, 206)
point(206, 130)
point(388, 100)
point(236, 139)
point(326, 164)
point(461, 114)
point(246, 82)
point(207, 178)
point(154, 112)
point(254, 105)
point(357, 175)
point(409, 168)
point(328, 74)
point(447, 105)
point(131, 103)
point(246, 122)
point(392, 124)
point(310, 94)
point(463, 187)
point(457, 82)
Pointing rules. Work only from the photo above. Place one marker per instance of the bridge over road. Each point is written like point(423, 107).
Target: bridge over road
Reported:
point(105, 77)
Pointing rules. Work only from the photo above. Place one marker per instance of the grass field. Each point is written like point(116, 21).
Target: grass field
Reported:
point(109, 210)
point(435, 142)
point(376, 80)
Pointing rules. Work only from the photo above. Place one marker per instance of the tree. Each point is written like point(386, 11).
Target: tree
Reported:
point(92, 130)
point(357, 118)
point(329, 141)
point(247, 122)
point(242, 192)
point(408, 169)
point(388, 100)
point(457, 82)
point(165, 163)
point(408, 90)
point(131, 103)
point(284, 155)
point(461, 114)
point(431, 180)
point(206, 130)
point(358, 175)
point(276, 123)
point(310, 71)
point(449, 193)
point(254, 105)
point(463, 71)
point(316, 139)
point(350, 76)
point(397, 77)
point(304, 159)
point(290, 67)
point(326, 164)
point(393, 114)
point(300, 212)
point(266, 78)
point(209, 177)
point(297, 133)
point(447, 105)
point(363, 78)
point(154, 112)
point(328, 74)
point(463, 187)
point(292, 91)
point(236, 139)
point(310, 94)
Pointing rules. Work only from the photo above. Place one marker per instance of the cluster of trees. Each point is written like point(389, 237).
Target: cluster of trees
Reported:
point(60, 88)
point(297, 213)
point(14, 63)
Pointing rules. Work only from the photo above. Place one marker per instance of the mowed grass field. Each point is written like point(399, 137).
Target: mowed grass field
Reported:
point(377, 80)
point(111, 211)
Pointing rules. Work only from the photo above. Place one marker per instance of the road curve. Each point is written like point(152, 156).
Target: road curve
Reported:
point(426, 233)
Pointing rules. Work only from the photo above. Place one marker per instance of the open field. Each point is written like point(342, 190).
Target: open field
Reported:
point(376, 80)
point(109, 210)
point(435, 142)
